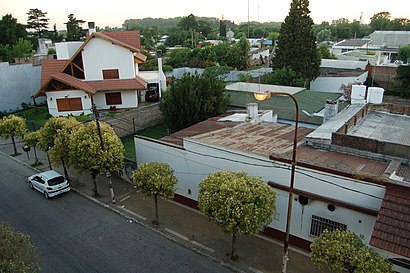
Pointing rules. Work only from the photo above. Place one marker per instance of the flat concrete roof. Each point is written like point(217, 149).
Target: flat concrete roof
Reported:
point(384, 127)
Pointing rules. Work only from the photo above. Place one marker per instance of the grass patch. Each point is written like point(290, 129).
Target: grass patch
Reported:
point(155, 132)
point(35, 117)
point(128, 142)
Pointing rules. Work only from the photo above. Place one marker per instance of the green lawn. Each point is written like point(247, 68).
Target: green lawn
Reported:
point(155, 132)
point(35, 117)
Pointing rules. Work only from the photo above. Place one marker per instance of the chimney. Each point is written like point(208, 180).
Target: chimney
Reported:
point(252, 112)
point(331, 109)
point(91, 28)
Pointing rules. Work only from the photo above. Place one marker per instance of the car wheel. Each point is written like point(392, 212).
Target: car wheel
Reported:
point(30, 185)
point(46, 195)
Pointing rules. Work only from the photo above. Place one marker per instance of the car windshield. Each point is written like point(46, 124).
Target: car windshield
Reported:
point(56, 180)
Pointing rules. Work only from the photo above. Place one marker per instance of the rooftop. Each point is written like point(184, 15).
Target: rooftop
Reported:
point(385, 127)
point(352, 43)
point(308, 101)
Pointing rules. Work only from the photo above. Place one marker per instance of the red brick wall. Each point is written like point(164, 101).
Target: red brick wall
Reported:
point(384, 76)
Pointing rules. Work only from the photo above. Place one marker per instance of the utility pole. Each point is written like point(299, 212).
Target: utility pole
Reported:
point(107, 167)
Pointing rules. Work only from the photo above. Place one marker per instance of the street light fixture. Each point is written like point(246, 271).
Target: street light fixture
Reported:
point(262, 96)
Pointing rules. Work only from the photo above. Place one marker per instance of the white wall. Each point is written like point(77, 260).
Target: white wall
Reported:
point(99, 55)
point(17, 84)
point(128, 98)
point(52, 102)
point(67, 49)
point(332, 84)
point(192, 167)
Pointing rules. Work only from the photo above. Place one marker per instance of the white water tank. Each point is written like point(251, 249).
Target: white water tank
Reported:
point(375, 95)
point(358, 94)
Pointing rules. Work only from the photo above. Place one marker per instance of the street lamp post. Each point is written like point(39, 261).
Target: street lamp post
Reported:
point(262, 96)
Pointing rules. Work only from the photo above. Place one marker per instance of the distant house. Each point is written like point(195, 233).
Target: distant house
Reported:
point(335, 73)
point(380, 48)
point(102, 71)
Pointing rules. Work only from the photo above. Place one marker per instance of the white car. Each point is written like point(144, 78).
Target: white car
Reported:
point(49, 183)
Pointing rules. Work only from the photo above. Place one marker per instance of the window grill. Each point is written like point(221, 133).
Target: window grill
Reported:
point(320, 224)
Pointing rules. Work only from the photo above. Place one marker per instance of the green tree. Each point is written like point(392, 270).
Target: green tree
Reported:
point(380, 21)
point(12, 126)
point(37, 21)
point(17, 253)
point(156, 179)
point(55, 135)
point(237, 203)
point(32, 139)
point(86, 153)
point(324, 52)
point(74, 30)
point(193, 99)
point(297, 42)
point(404, 54)
point(403, 75)
point(22, 48)
point(10, 30)
point(285, 76)
point(222, 28)
point(343, 250)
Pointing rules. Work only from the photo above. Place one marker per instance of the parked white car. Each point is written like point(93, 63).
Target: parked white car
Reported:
point(49, 183)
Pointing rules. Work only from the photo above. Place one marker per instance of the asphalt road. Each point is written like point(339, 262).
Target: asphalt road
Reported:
point(73, 234)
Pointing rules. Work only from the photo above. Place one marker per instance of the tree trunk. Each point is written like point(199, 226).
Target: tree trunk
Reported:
point(14, 145)
point(156, 221)
point(234, 256)
point(94, 178)
point(65, 170)
point(35, 156)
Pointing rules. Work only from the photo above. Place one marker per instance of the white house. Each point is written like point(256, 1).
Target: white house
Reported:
point(101, 71)
point(332, 189)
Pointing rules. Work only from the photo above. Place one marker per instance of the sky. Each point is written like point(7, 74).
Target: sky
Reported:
point(114, 13)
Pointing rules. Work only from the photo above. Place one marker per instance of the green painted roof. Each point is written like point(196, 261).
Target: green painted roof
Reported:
point(283, 106)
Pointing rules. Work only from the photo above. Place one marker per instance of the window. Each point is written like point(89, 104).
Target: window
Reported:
point(113, 98)
point(69, 104)
point(320, 224)
point(111, 74)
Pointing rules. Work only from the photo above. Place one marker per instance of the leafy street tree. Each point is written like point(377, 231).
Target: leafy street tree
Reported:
point(193, 99)
point(37, 21)
point(12, 126)
point(237, 203)
point(10, 30)
point(32, 139)
point(86, 153)
point(17, 253)
point(55, 135)
point(297, 42)
point(343, 250)
point(156, 179)
point(74, 30)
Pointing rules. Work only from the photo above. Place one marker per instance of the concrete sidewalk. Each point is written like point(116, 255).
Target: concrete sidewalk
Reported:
point(179, 223)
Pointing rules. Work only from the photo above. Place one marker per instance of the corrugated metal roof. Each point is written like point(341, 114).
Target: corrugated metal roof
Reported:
point(352, 43)
point(392, 229)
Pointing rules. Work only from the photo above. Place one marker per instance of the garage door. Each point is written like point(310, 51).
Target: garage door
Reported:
point(69, 104)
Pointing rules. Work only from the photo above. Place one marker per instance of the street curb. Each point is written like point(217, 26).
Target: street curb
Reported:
point(128, 217)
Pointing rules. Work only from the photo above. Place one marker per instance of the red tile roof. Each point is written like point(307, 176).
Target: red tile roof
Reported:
point(392, 229)
point(128, 84)
point(50, 67)
point(129, 37)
